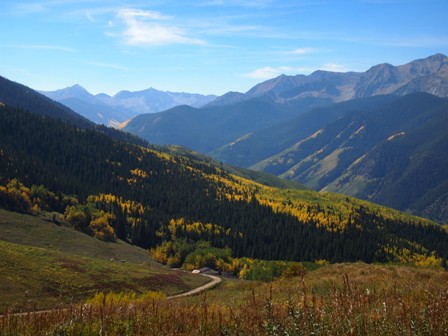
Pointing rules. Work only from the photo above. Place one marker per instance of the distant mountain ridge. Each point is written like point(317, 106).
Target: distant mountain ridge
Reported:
point(113, 110)
point(424, 75)
point(235, 116)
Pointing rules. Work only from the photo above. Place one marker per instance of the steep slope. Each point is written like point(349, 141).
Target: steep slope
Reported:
point(234, 119)
point(210, 127)
point(15, 94)
point(425, 75)
point(112, 110)
point(407, 170)
point(150, 198)
point(272, 141)
point(21, 96)
point(332, 86)
point(53, 265)
point(351, 149)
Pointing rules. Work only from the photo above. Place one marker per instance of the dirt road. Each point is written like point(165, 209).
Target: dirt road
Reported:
point(213, 283)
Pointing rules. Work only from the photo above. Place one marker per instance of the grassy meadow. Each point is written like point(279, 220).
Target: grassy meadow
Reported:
point(44, 265)
point(96, 288)
point(339, 299)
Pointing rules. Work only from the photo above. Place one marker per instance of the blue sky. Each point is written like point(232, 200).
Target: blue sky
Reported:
point(208, 46)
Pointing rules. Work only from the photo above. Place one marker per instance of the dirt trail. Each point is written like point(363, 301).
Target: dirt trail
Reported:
point(213, 283)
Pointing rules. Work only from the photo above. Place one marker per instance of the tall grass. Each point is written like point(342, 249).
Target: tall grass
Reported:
point(289, 307)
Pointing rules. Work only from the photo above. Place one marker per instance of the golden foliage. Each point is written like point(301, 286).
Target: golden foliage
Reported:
point(406, 256)
point(101, 228)
point(130, 206)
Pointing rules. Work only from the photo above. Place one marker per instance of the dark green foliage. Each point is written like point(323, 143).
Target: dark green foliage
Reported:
point(387, 149)
point(72, 161)
point(408, 170)
point(14, 94)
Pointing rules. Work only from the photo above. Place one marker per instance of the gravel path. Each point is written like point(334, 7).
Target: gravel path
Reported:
point(213, 283)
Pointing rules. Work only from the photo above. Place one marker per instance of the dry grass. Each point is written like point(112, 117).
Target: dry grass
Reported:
point(43, 265)
point(347, 299)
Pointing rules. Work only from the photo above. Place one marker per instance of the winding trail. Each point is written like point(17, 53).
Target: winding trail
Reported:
point(215, 281)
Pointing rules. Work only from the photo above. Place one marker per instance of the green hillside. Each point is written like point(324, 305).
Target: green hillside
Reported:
point(111, 189)
point(15, 94)
point(406, 170)
point(386, 149)
point(45, 265)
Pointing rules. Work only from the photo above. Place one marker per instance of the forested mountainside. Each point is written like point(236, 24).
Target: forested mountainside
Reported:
point(111, 189)
point(392, 153)
point(21, 96)
point(291, 126)
point(407, 170)
point(18, 95)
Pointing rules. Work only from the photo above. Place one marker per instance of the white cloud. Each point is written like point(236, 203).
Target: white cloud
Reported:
point(334, 67)
point(89, 16)
point(43, 47)
point(148, 28)
point(271, 72)
point(108, 65)
point(238, 3)
point(29, 8)
point(302, 51)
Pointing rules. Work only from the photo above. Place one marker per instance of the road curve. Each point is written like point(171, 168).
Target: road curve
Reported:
point(215, 281)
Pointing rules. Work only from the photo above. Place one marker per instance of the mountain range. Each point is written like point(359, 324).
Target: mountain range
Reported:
point(377, 135)
point(318, 129)
point(283, 98)
point(424, 75)
point(113, 110)
point(178, 204)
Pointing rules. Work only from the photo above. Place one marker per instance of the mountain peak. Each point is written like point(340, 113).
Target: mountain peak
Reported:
point(74, 91)
point(437, 57)
point(77, 87)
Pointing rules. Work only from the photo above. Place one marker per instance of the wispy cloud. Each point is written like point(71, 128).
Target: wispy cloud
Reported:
point(150, 28)
point(28, 8)
point(271, 72)
point(108, 65)
point(302, 51)
point(240, 3)
point(43, 47)
point(334, 67)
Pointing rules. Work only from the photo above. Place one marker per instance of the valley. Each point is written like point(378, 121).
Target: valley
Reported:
point(320, 129)
point(305, 210)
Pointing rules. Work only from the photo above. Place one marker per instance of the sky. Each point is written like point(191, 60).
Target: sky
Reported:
point(208, 46)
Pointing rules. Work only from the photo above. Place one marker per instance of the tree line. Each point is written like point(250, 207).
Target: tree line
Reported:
point(114, 189)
